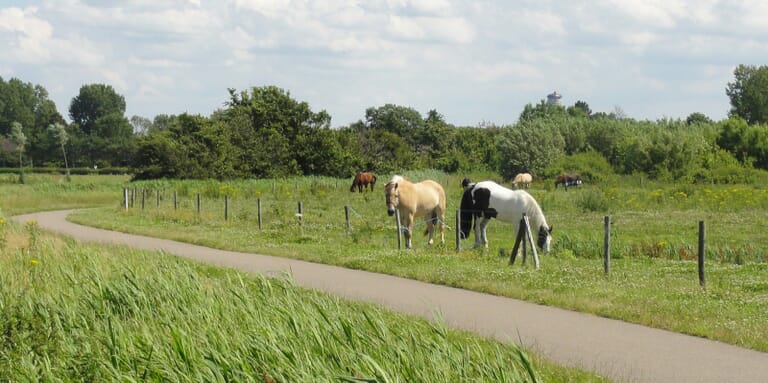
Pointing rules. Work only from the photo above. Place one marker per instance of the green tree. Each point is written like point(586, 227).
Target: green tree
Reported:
point(749, 93)
point(20, 139)
point(104, 135)
point(542, 110)
point(141, 125)
point(402, 121)
point(529, 146)
point(697, 118)
point(29, 105)
point(59, 132)
point(274, 134)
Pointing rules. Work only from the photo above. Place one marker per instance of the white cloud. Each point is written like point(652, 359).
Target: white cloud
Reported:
point(27, 36)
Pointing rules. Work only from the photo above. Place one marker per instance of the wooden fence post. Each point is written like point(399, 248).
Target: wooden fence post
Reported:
point(258, 210)
point(607, 244)
point(300, 213)
point(702, 281)
point(143, 197)
point(175, 200)
point(158, 198)
point(125, 198)
point(198, 203)
point(524, 235)
point(226, 207)
point(346, 217)
point(458, 229)
point(529, 234)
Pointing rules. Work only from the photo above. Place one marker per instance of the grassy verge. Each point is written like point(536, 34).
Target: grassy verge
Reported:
point(53, 192)
point(76, 312)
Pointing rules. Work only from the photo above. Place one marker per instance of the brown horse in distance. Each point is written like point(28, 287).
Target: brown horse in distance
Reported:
point(568, 180)
point(363, 180)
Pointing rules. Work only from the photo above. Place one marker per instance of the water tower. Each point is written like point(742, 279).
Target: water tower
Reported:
point(554, 98)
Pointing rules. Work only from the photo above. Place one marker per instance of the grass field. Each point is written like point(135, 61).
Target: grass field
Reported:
point(78, 312)
point(653, 280)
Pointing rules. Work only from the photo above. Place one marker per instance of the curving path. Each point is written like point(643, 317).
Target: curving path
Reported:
point(621, 351)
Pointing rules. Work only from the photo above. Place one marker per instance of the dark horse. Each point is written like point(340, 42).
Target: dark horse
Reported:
point(566, 180)
point(363, 179)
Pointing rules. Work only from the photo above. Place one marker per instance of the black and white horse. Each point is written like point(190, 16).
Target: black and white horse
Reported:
point(487, 199)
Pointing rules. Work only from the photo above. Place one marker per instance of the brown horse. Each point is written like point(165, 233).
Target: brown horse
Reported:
point(363, 179)
point(425, 198)
point(568, 180)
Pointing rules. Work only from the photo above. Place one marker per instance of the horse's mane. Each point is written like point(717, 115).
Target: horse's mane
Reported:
point(396, 179)
point(534, 212)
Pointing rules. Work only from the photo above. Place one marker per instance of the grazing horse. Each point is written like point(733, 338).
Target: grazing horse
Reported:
point(522, 180)
point(363, 179)
point(487, 199)
point(425, 198)
point(566, 180)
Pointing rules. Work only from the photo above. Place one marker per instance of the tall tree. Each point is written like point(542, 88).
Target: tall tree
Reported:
point(103, 133)
point(29, 105)
point(749, 93)
point(273, 132)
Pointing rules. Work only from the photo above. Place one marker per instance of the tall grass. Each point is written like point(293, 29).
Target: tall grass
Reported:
point(74, 312)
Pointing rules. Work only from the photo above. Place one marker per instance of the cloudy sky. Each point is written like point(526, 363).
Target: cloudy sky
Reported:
point(472, 61)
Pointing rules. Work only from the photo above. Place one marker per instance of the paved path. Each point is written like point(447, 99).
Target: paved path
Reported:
point(621, 351)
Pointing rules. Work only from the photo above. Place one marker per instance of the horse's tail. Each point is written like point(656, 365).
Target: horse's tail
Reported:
point(467, 211)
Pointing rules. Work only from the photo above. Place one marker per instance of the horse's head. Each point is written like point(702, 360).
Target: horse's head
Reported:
point(544, 239)
point(392, 197)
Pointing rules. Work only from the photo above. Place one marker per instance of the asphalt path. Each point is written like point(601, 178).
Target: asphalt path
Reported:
point(621, 351)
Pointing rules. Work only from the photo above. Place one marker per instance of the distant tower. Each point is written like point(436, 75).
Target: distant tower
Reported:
point(554, 98)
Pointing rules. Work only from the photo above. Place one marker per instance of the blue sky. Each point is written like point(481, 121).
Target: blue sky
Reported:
point(472, 61)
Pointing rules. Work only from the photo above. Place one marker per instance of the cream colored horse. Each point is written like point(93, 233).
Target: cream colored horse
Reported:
point(425, 198)
point(522, 179)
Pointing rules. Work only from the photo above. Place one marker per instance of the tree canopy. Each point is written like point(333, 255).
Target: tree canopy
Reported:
point(749, 93)
point(264, 132)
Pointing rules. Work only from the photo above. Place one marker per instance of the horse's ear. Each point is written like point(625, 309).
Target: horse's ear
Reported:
point(550, 229)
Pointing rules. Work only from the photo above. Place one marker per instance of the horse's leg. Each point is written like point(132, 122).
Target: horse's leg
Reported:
point(430, 229)
point(441, 222)
point(409, 229)
point(484, 235)
point(479, 231)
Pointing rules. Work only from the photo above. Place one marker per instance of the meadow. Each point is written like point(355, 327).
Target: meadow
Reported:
point(83, 312)
point(654, 232)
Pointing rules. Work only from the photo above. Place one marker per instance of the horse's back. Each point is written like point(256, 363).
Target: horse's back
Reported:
point(524, 178)
point(431, 195)
point(509, 204)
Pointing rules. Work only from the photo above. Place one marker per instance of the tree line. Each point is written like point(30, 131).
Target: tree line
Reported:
point(263, 132)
